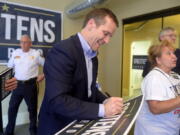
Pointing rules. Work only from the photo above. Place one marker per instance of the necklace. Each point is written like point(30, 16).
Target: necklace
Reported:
point(175, 89)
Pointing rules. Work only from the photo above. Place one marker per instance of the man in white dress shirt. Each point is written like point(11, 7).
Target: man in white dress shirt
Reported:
point(26, 62)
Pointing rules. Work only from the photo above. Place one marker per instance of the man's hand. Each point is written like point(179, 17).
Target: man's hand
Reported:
point(113, 106)
point(11, 84)
point(40, 77)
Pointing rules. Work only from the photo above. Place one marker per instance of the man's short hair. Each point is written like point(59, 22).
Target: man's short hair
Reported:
point(99, 14)
point(164, 30)
point(26, 35)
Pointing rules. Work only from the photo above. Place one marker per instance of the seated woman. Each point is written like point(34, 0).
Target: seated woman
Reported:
point(160, 113)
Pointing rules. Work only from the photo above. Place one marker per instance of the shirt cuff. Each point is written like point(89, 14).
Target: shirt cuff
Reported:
point(101, 110)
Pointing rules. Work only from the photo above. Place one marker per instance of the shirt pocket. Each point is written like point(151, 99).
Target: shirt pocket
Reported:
point(17, 60)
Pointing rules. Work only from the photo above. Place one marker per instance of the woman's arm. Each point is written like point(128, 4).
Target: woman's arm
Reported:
point(158, 107)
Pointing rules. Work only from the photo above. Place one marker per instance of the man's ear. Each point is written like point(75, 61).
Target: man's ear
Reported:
point(161, 38)
point(91, 23)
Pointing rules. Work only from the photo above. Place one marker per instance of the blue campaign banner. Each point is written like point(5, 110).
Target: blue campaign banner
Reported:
point(42, 25)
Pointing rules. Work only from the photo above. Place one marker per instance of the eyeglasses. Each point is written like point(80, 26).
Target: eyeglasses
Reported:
point(171, 35)
point(25, 42)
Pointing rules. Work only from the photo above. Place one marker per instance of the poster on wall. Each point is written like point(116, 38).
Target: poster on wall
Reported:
point(115, 125)
point(44, 26)
point(139, 61)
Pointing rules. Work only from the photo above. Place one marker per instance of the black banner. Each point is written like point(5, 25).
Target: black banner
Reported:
point(116, 125)
point(5, 75)
point(43, 26)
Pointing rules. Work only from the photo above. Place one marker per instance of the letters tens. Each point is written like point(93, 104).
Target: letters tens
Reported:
point(40, 29)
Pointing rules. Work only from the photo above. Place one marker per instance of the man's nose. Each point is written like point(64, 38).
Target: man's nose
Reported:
point(106, 39)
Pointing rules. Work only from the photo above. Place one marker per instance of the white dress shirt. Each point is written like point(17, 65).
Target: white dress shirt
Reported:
point(25, 64)
point(89, 54)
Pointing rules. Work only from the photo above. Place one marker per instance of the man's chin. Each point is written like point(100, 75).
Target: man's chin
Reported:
point(95, 48)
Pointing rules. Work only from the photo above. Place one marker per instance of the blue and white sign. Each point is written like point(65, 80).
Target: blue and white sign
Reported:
point(42, 25)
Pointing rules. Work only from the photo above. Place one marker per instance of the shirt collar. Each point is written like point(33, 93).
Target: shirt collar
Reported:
point(156, 68)
point(86, 48)
point(26, 52)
